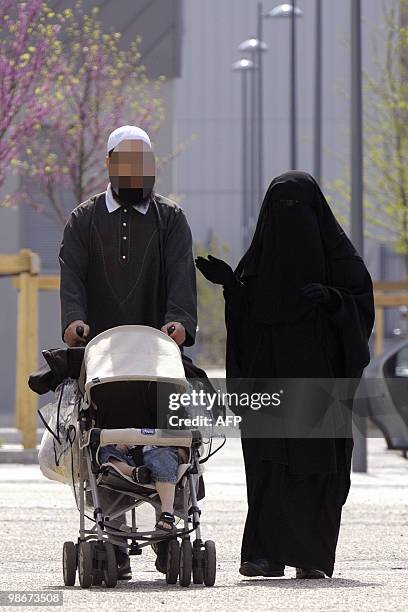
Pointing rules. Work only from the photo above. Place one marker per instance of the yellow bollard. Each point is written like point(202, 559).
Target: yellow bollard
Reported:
point(379, 330)
point(27, 349)
point(29, 422)
point(21, 354)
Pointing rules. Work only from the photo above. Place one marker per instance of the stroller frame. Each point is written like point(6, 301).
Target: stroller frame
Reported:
point(127, 354)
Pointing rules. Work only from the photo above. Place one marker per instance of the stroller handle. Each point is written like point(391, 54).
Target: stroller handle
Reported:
point(80, 330)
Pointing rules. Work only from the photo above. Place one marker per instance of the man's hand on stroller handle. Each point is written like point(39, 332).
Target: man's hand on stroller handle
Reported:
point(76, 333)
point(176, 331)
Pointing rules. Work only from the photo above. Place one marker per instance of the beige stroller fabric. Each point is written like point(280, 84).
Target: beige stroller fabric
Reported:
point(133, 352)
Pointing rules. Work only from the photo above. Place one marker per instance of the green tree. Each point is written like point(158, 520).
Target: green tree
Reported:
point(386, 136)
point(211, 335)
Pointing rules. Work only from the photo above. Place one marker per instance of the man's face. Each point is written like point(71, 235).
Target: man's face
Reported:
point(132, 171)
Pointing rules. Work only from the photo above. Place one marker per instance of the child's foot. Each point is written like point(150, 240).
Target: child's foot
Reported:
point(141, 475)
point(166, 522)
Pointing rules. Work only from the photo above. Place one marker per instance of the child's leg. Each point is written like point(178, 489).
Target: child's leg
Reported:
point(140, 474)
point(115, 455)
point(166, 492)
point(123, 467)
point(163, 463)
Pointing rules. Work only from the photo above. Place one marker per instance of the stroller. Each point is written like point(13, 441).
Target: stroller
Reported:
point(121, 368)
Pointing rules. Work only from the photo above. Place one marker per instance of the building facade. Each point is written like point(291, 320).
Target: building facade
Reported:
point(194, 44)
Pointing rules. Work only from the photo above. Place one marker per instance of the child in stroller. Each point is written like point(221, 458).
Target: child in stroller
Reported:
point(160, 466)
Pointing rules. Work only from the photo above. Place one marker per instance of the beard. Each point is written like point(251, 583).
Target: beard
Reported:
point(127, 196)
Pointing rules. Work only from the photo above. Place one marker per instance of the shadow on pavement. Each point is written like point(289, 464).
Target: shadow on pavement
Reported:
point(327, 583)
point(145, 586)
point(160, 586)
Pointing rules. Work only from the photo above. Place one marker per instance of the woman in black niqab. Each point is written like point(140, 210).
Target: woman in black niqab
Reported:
point(299, 305)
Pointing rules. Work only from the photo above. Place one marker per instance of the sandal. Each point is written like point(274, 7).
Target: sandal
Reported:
point(141, 475)
point(168, 519)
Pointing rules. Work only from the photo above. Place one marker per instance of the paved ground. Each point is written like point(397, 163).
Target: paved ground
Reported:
point(37, 515)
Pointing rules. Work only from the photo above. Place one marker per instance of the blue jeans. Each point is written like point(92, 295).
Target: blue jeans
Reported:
point(162, 461)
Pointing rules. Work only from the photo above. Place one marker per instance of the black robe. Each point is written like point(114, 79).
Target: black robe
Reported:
point(127, 268)
point(296, 487)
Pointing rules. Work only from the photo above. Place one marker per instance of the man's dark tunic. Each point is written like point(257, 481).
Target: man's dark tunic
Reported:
point(128, 268)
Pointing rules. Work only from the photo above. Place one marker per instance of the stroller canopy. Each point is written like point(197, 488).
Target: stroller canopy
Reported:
point(133, 352)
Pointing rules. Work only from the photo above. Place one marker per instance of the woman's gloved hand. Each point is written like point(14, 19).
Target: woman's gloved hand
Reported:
point(317, 293)
point(327, 297)
point(215, 270)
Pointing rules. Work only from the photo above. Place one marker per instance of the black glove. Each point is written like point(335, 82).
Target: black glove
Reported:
point(317, 293)
point(215, 270)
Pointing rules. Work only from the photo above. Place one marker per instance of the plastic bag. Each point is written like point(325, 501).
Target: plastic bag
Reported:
point(58, 455)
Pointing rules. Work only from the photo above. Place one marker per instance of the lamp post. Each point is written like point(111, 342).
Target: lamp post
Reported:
point(255, 47)
point(357, 236)
point(317, 141)
point(292, 11)
point(259, 32)
point(245, 67)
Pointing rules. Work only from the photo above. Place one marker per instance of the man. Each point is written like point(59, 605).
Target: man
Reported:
point(126, 253)
point(126, 257)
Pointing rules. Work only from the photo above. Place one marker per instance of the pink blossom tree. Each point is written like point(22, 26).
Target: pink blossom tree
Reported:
point(27, 36)
point(99, 87)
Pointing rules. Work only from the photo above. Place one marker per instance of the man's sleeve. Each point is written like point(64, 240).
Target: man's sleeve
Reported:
point(181, 276)
point(73, 259)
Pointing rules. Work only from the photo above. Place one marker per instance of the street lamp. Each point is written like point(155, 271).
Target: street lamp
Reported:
point(245, 67)
point(284, 10)
point(292, 11)
point(252, 44)
point(356, 162)
point(255, 47)
point(317, 140)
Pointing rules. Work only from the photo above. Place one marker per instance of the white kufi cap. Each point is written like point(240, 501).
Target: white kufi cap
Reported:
point(127, 132)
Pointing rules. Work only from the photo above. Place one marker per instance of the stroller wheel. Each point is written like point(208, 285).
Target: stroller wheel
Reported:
point(186, 563)
point(97, 578)
point(97, 574)
point(173, 561)
point(210, 563)
point(110, 573)
point(69, 563)
point(85, 564)
point(198, 562)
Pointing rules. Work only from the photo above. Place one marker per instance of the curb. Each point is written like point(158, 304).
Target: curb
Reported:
point(23, 455)
point(13, 436)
